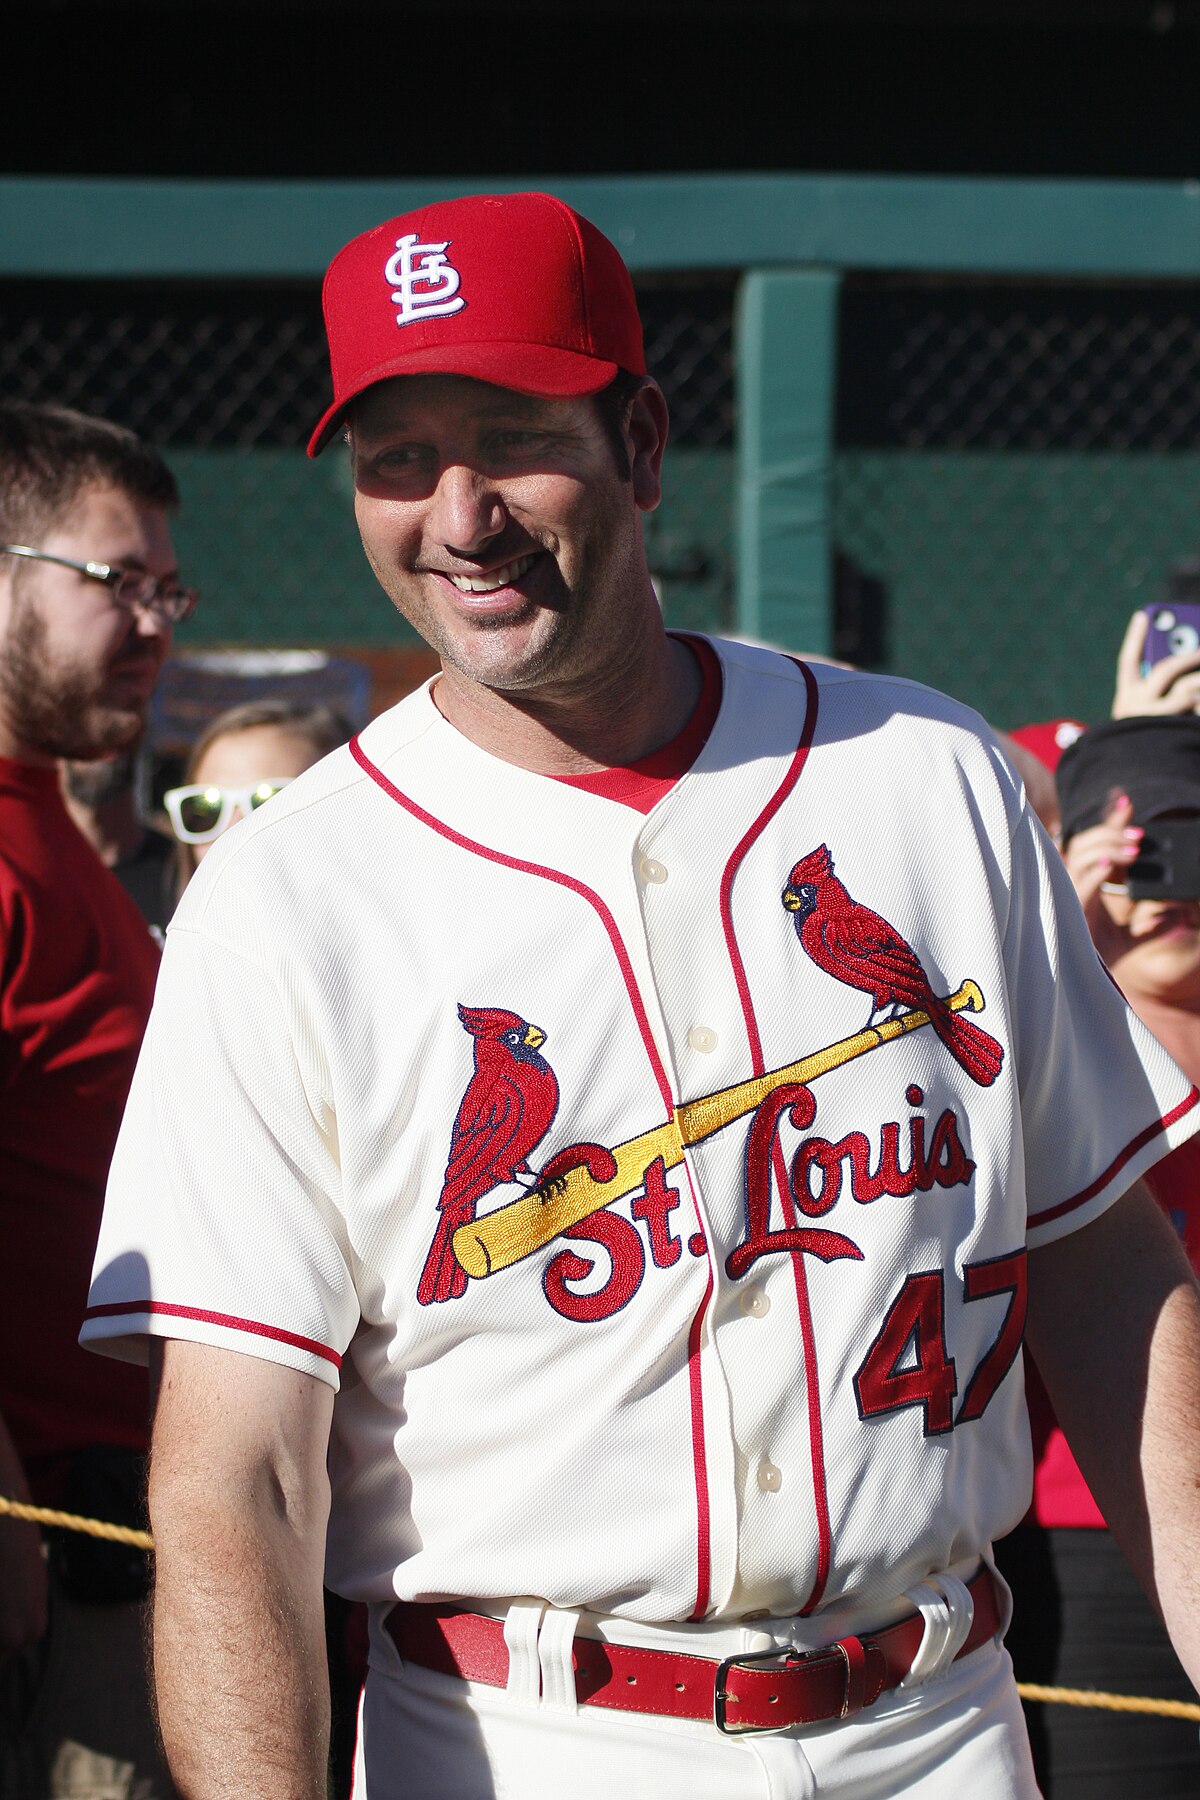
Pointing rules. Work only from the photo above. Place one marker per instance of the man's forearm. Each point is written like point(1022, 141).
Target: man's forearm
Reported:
point(239, 1664)
point(239, 1650)
point(1114, 1325)
point(1170, 1459)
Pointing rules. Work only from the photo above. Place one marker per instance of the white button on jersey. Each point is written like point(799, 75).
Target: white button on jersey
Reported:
point(651, 871)
point(770, 1480)
point(701, 1038)
point(755, 1302)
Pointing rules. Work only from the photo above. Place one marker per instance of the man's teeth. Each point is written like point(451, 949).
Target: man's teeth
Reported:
point(487, 584)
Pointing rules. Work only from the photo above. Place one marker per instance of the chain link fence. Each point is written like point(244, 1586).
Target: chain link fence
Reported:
point(1017, 466)
point(229, 380)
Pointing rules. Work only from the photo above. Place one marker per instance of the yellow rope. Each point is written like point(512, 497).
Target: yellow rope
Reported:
point(46, 1515)
point(142, 1540)
point(1164, 1709)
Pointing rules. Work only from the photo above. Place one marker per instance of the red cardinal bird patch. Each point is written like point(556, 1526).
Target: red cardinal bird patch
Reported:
point(506, 1111)
point(855, 945)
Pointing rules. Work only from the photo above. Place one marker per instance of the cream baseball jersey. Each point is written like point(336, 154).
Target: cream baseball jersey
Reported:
point(656, 1190)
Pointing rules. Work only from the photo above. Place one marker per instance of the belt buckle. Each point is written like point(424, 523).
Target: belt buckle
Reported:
point(791, 1658)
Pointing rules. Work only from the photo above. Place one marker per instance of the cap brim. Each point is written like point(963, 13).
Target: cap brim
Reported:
point(540, 369)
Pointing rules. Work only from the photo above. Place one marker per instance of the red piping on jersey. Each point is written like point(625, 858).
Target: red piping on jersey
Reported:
point(816, 1428)
point(1118, 1163)
point(735, 861)
point(547, 874)
point(700, 1457)
point(162, 1308)
point(695, 1390)
point(816, 1436)
point(699, 1448)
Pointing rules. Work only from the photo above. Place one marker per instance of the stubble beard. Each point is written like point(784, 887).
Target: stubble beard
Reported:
point(480, 650)
point(485, 659)
point(56, 709)
point(568, 638)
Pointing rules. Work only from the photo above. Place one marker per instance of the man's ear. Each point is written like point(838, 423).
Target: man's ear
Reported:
point(646, 439)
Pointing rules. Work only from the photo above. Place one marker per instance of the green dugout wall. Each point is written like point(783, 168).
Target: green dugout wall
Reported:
point(950, 428)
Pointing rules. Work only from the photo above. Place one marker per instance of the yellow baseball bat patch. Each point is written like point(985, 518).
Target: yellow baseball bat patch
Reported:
point(512, 1232)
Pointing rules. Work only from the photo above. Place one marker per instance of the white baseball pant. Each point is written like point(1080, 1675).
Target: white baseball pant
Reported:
point(959, 1731)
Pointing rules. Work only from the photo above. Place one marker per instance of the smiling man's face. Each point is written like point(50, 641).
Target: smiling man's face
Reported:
point(77, 671)
point(501, 527)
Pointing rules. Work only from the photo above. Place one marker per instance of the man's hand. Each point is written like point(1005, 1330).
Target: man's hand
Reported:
point(1103, 853)
point(22, 1565)
point(1171, 686)
point(238, 1503)
point(1114, 1326)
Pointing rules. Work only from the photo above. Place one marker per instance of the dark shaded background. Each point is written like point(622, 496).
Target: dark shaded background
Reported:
point(345, 88)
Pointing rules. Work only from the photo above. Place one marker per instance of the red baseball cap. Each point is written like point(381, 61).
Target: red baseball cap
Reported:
point(515, 289)
point(1048, 740)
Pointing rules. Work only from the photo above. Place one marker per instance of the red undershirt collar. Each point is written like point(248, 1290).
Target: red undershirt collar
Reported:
point(642, 784)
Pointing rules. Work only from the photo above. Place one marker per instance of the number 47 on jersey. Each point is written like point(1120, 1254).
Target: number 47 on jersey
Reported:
point(909, 1364)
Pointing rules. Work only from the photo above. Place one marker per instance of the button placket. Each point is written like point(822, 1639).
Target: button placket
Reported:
point(684, 1011)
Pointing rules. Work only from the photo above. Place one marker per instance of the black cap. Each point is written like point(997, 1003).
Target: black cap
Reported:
point(1156, 761)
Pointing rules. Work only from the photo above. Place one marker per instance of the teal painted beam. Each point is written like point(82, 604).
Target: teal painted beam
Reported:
point(243, 229)
point(786, 344)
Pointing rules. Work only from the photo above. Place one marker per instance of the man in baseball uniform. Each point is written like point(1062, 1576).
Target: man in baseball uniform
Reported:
point(619, 1116)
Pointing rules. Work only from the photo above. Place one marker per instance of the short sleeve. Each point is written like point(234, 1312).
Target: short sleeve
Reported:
point(1101, 1100)
point(222, 1221)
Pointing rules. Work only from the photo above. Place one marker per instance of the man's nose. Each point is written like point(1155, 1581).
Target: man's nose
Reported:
point(151, 620)
point(467, 510)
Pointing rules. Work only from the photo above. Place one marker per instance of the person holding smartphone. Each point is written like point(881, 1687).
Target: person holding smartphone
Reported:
point(1129, 792)
point(1158, 664)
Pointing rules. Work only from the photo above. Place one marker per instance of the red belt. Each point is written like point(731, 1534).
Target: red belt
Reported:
point(768, 1690)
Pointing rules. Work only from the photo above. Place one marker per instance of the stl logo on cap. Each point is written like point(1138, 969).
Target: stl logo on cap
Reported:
point(550, 307)
point(424, 283)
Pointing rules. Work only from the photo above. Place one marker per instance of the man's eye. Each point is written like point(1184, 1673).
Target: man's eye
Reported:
point(520, 440)
point(400, 459)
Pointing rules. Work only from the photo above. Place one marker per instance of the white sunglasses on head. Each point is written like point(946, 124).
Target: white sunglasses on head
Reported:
point(201, 812)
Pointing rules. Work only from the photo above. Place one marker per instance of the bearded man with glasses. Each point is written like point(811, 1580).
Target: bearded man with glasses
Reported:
point(89, 592)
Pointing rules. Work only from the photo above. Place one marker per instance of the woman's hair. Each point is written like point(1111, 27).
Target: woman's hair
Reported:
point(323, 726)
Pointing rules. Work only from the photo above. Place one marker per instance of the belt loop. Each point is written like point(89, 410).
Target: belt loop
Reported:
point(947, 1609)
point(856, 1674)
point(555, 1641)
point(521, 1638)
point(962, 1612)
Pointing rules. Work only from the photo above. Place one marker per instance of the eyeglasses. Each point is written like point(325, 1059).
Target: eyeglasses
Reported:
point(199, 814)
point(134, 589)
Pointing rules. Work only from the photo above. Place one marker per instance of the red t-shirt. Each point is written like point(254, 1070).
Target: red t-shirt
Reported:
point(77, 972)
point(1060, 1494)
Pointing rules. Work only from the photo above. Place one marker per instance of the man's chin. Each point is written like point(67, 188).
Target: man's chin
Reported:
point(511, 656)
point(99, 733)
